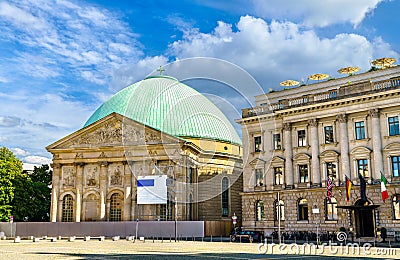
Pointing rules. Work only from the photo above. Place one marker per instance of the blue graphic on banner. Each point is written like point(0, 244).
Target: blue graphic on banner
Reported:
point(145, 183)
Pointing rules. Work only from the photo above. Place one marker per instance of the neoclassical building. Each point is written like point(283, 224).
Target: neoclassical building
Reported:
point(294, 139)
point(158, 131)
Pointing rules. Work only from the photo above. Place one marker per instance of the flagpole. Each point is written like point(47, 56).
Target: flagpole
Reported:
point(279, 219)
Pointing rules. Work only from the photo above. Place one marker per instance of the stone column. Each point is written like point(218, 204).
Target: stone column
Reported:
point(55, 191)
point(376, 145)
point(127, 191)
point(314, 142)
point(269, 178)
point(78, 185)
point(287, 129)
point(103, 189)
point(344, 146)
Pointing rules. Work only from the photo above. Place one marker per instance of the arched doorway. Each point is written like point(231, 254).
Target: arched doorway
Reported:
point(364, 219)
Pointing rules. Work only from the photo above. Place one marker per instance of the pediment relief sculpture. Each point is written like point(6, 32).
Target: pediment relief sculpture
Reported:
point(115, 175)
point(68, 175)
point(92, 173)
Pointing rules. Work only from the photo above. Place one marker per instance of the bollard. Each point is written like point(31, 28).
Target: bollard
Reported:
point(17, 239)
point(59, 237)
point(170, 238)
point(53, 239)
point(36, 239)
point(71, 239)
point(102, 238)
point(87, 238)
point(153, 239)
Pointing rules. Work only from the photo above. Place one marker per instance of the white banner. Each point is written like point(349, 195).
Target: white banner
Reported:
point(152, 189)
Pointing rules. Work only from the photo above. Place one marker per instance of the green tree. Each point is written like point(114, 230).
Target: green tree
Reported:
point(33, 195)
point(10, 167)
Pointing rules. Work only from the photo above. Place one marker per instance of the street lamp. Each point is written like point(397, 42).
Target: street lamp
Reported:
point(315, 211)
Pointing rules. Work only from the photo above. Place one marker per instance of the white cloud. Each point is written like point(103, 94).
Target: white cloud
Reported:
point(73, 38)
point(129, 74)
point(21, 18)
point(273, 52)
point(40, 121)
point(34, 159)
point(4, 79)
point(315, 12)
point(19, 152)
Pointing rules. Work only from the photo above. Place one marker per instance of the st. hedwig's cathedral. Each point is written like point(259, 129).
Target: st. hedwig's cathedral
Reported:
point(156, 150)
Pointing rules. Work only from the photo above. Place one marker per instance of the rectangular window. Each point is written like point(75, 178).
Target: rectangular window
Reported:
point(303, 173)
point(360, 130)
point(278, 175)
point(277, 142)
point(331, 170)
point(328, 134)
point(260, 211)
point(301, 138)
point(331, 210)
point(362, 167)
point(257, 144)
point(259, 177)
point(396, 166)
point(394, 125)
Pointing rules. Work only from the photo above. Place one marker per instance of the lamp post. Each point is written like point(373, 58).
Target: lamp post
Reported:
point(234, 221)
point(315, 211)
point(279, 218)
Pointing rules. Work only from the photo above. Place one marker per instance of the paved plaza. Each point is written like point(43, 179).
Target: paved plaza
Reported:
point(122, 249)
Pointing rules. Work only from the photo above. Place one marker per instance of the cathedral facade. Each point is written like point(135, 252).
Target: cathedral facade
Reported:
point(157, 150)
point(297, 140)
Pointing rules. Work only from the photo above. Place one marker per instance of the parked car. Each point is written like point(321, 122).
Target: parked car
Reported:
point(247, 235)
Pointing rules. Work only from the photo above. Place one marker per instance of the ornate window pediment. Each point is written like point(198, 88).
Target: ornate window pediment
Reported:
point(257, 163)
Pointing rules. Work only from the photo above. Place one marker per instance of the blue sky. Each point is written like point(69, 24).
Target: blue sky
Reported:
point(61, 59)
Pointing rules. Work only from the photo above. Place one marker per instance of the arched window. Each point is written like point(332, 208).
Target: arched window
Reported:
point(67, 208)
point(225, 196)
point(302, 209)
point(331, 210)
point(396, 206)
point(260, 210)
point(279, 210)
point(116, 207)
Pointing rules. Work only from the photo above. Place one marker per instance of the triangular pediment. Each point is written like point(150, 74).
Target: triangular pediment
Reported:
point(257, 162)
point(113, 130)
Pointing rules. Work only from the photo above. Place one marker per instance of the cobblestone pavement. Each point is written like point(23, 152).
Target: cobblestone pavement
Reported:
point(122, 249)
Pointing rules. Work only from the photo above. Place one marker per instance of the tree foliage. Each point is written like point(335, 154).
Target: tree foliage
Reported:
point(33, 195)
point(10, 167)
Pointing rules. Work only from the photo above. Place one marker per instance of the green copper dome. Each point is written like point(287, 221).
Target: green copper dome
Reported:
point(170, 106)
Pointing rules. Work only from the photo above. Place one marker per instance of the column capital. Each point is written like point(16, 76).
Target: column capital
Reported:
point(342, 118)
point(102, 163)
point(81, 164)
point(374, 113)
point(287, 126)
point(313, 122)
point(55, 165)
